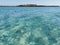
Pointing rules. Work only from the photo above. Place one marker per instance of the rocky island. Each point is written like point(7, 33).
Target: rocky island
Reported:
point(35, 5)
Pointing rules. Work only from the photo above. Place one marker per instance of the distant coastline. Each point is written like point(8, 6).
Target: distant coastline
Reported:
point(35, 5)
point(32, 5)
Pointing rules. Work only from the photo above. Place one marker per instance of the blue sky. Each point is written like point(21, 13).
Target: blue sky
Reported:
point(17, 2)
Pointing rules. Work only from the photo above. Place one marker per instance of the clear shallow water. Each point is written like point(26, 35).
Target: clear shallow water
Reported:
point(29, 25)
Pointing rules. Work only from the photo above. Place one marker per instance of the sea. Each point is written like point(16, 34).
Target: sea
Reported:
point(29, 25)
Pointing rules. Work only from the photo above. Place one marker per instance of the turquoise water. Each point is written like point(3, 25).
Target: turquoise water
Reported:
point(29, 25)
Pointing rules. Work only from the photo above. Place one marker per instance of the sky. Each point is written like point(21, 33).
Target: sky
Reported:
point(18, 2)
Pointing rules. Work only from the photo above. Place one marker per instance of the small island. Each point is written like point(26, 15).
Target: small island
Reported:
point(30, 5)
point(35, 5)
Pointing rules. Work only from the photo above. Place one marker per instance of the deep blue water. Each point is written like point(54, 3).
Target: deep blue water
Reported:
point(29, 25)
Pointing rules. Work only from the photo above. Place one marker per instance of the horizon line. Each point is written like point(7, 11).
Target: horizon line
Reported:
point(33, 3)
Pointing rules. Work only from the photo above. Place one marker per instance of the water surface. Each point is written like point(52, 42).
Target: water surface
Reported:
point(29, 25)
